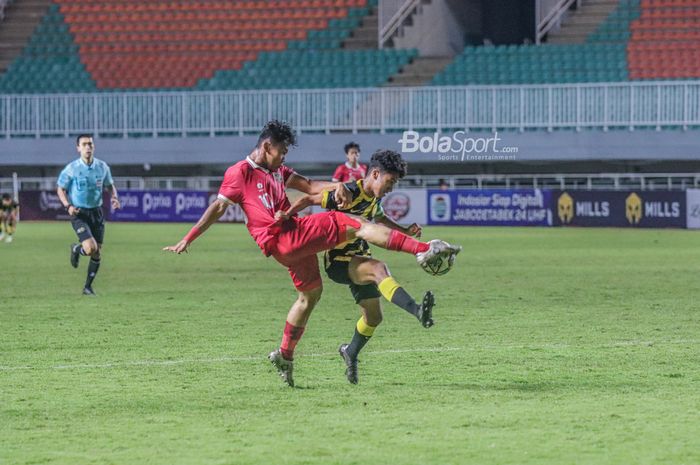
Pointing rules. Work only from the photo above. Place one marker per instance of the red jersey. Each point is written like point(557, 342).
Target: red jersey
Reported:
point(346, 173)
point(260, 193)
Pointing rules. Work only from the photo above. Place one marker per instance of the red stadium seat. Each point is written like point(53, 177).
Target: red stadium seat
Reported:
point(191, 39)
point(665, 40)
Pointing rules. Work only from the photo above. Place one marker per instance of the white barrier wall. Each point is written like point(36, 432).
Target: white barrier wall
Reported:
point(407, 206)
point(693, 208)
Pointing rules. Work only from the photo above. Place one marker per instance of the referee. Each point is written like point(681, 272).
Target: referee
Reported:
point(80, 187)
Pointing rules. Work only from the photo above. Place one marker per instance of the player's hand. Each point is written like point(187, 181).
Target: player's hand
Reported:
point(342, 196)
point(414, 230)
point(281, 216)
point(72, 211)
point(116, 205)
point(180, 247)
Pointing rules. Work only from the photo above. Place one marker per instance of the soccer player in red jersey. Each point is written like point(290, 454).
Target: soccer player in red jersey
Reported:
point(352, 169)
point(258, 185)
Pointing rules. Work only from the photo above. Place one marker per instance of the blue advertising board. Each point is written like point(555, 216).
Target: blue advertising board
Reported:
point(168, 206)
point(490, 207)
point(643, 209)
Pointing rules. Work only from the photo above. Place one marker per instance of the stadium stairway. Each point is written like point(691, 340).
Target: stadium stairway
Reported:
point(638, 40)
point(49, 61)
point(601, 58)
point(419, 72)
point(21, 17)
point(583, 22)
point(365, 35)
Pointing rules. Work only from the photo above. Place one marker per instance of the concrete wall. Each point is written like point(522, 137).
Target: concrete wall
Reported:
point(318, 148)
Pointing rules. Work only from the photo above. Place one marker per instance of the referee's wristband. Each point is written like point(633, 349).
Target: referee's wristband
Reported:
point(68, 206)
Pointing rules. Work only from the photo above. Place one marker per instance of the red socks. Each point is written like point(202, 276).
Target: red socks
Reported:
point(403, 243)
point(291, 336)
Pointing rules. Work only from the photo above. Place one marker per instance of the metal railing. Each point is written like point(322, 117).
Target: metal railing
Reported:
point(637, 104)
point(549, 14)
point(392, 14)
point(613, 181)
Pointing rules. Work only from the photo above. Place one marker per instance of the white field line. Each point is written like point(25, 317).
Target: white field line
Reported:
point(247, 358)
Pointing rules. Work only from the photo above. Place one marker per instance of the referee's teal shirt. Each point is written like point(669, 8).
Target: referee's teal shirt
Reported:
point(84, 183)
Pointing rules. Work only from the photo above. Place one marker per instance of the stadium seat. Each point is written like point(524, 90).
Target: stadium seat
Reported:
point(647, 39)
point(187, 43)
point(665, 40)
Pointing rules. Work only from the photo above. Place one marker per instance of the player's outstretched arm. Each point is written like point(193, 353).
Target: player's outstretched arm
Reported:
point(300, 204)
point(313, 187)
point(309, 186)
point(209, 217)
point(411, 230)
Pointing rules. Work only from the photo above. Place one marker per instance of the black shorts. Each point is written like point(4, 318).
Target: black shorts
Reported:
point(338, 270)
point(89, 222)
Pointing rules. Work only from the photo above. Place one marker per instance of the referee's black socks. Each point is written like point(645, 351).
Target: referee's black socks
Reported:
point(92, 271)
point(80, 250)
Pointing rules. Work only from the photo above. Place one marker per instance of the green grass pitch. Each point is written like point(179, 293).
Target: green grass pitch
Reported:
point(551, 346)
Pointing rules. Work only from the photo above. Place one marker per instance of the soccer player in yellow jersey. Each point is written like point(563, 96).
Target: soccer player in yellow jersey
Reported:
point(9, 212)
point(351, 262)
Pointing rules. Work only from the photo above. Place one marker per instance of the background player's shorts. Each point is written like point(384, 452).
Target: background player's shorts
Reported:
point(89, 222)
point(338, 271)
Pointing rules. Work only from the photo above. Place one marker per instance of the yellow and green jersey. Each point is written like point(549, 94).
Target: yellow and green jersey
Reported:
point(362, 205)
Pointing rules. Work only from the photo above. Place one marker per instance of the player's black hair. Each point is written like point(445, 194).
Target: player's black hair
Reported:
point(6, 196)
point(351, 145)
point(278, 132)
point(77, 139)
point(388, 161)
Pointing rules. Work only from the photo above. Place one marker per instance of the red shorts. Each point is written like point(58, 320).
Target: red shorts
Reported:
point(302, 238)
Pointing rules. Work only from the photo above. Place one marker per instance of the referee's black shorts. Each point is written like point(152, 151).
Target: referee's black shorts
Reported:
point(89, 222)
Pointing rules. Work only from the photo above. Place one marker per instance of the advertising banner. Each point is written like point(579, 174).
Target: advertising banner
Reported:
point(490, 207)
point(169, 206)
point(407, 206)
point(643, 209)
point(151, 206)
point(43, 205)
point(693, 208)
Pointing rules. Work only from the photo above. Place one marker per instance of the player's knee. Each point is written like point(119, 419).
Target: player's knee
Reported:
point(380, 271)
point(372, 312)
point(375, 319)
point(91, 248)
point(315, 295)
point(309, 299)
